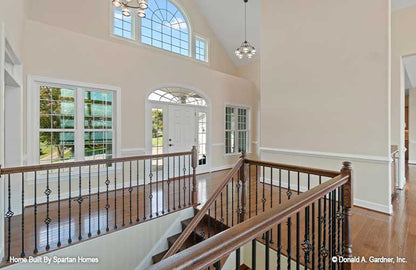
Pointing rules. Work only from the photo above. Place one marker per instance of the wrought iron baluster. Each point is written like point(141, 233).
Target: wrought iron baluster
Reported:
point(237, 259)
point(98, 201)
point(115, 195)
point(209, 223)
point(267, 250)
point(179, 182)
point(339, 219)
point(137, 192)
point(122, 195)
point(59, 207)
point(343, 223)
point(232, 201)
point(151, 189)
point(163, 186)
point(168, 184)
point(22, 254)
point(222, 213)
point(289, 243)
point(257, 189)
point(69, 207)
point(89, 201)
point(297, 241)
point(218, 265)
point(215, 214)
point(330, 229)
point(47, 219)
point(144, 189)
point(271, 200)
point(9, 215)
point(238, 210)
point(227, 206)
point(319, 233)
point(107, 205)
point(189, 179)
point(130, 196)
point(249, 191)
point(324, 250)
point(289, 190)
point(313, 236)
point(157, 187)
point(79, 200)
point(279, 246)
point(35, 209)
point(253, 253)
point(184, 181)
point(280, 186)
point(263, 200)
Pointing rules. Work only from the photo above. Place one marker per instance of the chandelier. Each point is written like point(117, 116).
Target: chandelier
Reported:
point(246, 49)
point(127, 5)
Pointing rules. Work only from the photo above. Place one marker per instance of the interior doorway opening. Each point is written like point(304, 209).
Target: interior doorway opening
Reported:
point(178, 119)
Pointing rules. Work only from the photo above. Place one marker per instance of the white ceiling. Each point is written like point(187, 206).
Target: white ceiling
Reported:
point(399, 4)
point(226, 18)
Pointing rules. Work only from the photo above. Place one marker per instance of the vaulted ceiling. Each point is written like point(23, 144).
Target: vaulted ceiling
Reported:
point(226, 18)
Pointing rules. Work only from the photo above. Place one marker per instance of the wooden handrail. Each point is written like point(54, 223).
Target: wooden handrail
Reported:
point(201, 214)
point(301, 169)
point(44, 167)
point(211, 250)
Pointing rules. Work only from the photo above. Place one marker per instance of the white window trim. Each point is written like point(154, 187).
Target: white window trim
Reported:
point(32, 137)
point(236, 107)
point(136, 36)
point(207, 48)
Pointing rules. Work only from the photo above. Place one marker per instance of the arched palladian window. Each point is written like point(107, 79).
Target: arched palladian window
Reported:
point(166, 27)
point(177, 96)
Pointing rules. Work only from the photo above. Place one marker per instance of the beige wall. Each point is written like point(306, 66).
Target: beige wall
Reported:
point(316, 93)
point(251, 72)
point(13, 14)
point(92, 18)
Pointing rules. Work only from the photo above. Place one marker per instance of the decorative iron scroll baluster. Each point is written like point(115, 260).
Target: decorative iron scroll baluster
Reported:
point(35, 209)
point(157, 187)
point(151, 189)
point(238, 210)
point(47, 219)
point(339, 219)
point(324, 250)
point(306, 245)
point(184, 182)
point(115, 195)
point(222, 213)
point(173, 184)
point(89, 201)
point(202, 228)
point(22, 254)
point(267, 251)
point(343, 222)
point(289, 190)
point(122, 195)
point(9, 215)
point(329, 229)
point(319, 233)
point(107, 205)
point(280, 186)
point(59, 207)
point(253, 252)
point(79, 200)
point(137, 192)
point(271, 200)
point(297, 241)
point(69, 207)
point(98, 201)
point(144, 189)
point(289, 243)
point(130, 191)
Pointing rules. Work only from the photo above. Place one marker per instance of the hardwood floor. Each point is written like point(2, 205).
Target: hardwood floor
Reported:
point(373, 234)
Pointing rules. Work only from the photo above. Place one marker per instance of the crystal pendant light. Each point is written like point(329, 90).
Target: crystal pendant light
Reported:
point(246, 49)
point(126, 7)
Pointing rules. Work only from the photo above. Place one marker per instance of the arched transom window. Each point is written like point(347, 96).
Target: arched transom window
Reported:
point(165, 27)
point(177, 96)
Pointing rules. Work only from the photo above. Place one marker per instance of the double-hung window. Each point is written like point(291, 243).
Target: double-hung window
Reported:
point(75, 124)
point(237, 131)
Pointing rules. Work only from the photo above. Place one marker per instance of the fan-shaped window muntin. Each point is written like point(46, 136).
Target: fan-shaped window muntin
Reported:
point(177, 96)
point(166, 27)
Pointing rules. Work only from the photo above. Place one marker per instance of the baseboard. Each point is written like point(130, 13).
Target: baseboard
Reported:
point(374, 206)
point(221, 168)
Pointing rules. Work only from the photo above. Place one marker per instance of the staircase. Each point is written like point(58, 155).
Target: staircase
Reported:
point(209, 228)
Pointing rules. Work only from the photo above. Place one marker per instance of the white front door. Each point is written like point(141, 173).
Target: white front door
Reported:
point(182, 131)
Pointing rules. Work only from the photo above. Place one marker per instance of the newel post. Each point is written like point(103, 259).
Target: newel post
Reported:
point(194, 184)
point(243, 179)
point(348, 204)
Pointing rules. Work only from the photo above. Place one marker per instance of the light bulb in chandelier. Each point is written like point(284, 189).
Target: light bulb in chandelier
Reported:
point(126, 12)
point(143, 4)
point(117, 3)
point(141, 13)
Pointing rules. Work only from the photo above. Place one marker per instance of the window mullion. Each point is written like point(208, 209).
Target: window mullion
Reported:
point(79, 124)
